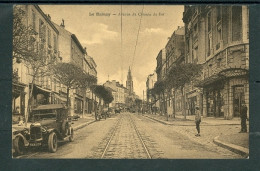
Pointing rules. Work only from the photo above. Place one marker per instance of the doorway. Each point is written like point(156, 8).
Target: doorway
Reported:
point(239, 96)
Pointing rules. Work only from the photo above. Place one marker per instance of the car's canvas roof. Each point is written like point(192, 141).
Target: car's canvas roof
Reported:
point(50, 106)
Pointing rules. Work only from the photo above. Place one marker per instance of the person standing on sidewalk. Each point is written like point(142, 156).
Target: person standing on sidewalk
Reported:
point(243, 116)
point(197, 120)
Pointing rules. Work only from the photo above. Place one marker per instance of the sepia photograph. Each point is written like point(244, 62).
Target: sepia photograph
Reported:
point(128, 81)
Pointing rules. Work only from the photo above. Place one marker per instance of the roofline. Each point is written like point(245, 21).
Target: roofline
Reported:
point(74, 37)
point(46, 18)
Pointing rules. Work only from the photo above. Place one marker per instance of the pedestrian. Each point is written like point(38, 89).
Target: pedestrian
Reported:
point(243, 116)
point(197, 120)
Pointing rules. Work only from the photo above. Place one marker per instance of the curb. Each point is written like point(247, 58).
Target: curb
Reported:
point(232, 147)
point(203, 123)
point(158, 120)
point(83, 125)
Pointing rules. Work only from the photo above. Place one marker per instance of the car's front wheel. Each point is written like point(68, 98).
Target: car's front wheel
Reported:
point(19, 146)
point(53, 142)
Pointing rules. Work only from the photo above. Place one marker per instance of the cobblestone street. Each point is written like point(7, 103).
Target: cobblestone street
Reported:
point(133, 136)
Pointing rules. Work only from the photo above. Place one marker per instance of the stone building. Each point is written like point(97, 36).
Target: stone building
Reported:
point(174, 56)
point(151, 101)
point(71, 51)
point(118, 93)
point(46, 43)
point(218, 38)
point(160, 71)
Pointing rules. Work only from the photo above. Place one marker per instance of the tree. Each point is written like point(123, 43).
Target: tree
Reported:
point(68, 74)
point(179, 75)
point(159, 88)
point(30, 52)
point(102, 93)
point(85, 81)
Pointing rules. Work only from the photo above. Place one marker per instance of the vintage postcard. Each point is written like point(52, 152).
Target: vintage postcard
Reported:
point(130, 82)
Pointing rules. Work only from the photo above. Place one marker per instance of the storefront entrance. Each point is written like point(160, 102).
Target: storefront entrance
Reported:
point(239, 96)
point(215, 103)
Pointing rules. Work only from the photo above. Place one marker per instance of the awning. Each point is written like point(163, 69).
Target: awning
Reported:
point(17, 89)
point(234, 72)
point(210, 80)
point(50, 106)
point(64, 99)
point(40, 90)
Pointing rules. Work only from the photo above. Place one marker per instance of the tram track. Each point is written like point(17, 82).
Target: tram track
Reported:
point(114, 138)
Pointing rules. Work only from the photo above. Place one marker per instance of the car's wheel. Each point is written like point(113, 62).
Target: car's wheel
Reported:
point(71, 138)
point(53, 142)
point(19, 146)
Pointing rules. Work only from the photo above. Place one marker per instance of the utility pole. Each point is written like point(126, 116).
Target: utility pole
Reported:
point(143, 103)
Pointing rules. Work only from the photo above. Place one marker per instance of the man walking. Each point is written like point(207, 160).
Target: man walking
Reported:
point(243, 116)
point(197, 120)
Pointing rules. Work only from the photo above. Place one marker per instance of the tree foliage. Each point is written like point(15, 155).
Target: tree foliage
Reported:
point(182, 74)
point(103, 93)
point(68, 74)
point(159, 87)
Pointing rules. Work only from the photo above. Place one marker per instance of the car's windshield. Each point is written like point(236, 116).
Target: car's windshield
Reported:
point(44, 114)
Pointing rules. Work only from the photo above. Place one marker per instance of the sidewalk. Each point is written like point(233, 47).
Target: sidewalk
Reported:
point(224, 133)
point(80, 123)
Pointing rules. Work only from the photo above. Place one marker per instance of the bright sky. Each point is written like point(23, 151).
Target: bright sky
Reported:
point(102, 36)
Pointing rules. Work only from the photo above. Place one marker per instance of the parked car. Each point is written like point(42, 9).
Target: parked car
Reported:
point(117, 110)
point(74, 117)
point(19, 140)
point(50, 125)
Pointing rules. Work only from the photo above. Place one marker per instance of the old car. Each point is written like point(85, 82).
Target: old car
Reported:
point(50, 124)
point(20, 140)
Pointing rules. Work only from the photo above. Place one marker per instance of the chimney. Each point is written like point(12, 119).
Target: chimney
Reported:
point(49, 17)
point(62, 23)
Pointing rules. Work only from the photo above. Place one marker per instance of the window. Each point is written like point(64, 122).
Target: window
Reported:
point(236, 23)
point(209, 38)
point(49, 37)
point(195, 31)
point(33, 20)
point(209, 43)
point(218, 14)
point(195, 55)
point(55, 42)
point(42, 31)
point(209, 20)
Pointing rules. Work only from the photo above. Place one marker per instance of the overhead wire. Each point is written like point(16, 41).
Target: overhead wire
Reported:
point(121, 44)
point(137, 38)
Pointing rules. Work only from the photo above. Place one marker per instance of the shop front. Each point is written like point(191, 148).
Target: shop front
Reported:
point(18, 103)
point(224, 93)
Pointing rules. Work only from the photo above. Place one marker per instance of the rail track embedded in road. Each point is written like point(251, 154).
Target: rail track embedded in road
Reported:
point(117, 127)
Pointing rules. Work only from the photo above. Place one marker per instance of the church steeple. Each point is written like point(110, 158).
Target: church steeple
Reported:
point(129, 82)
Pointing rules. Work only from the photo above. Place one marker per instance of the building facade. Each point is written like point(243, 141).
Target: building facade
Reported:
point(118, 93)
point(151, 100)
point(45, 41)
point(218, 38)
point(174, 56)
point(71, 51)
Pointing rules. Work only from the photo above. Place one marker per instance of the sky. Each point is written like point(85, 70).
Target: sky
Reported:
point(98, 28)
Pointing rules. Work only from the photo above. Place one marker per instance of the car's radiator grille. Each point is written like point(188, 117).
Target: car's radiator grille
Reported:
point(35, 133)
